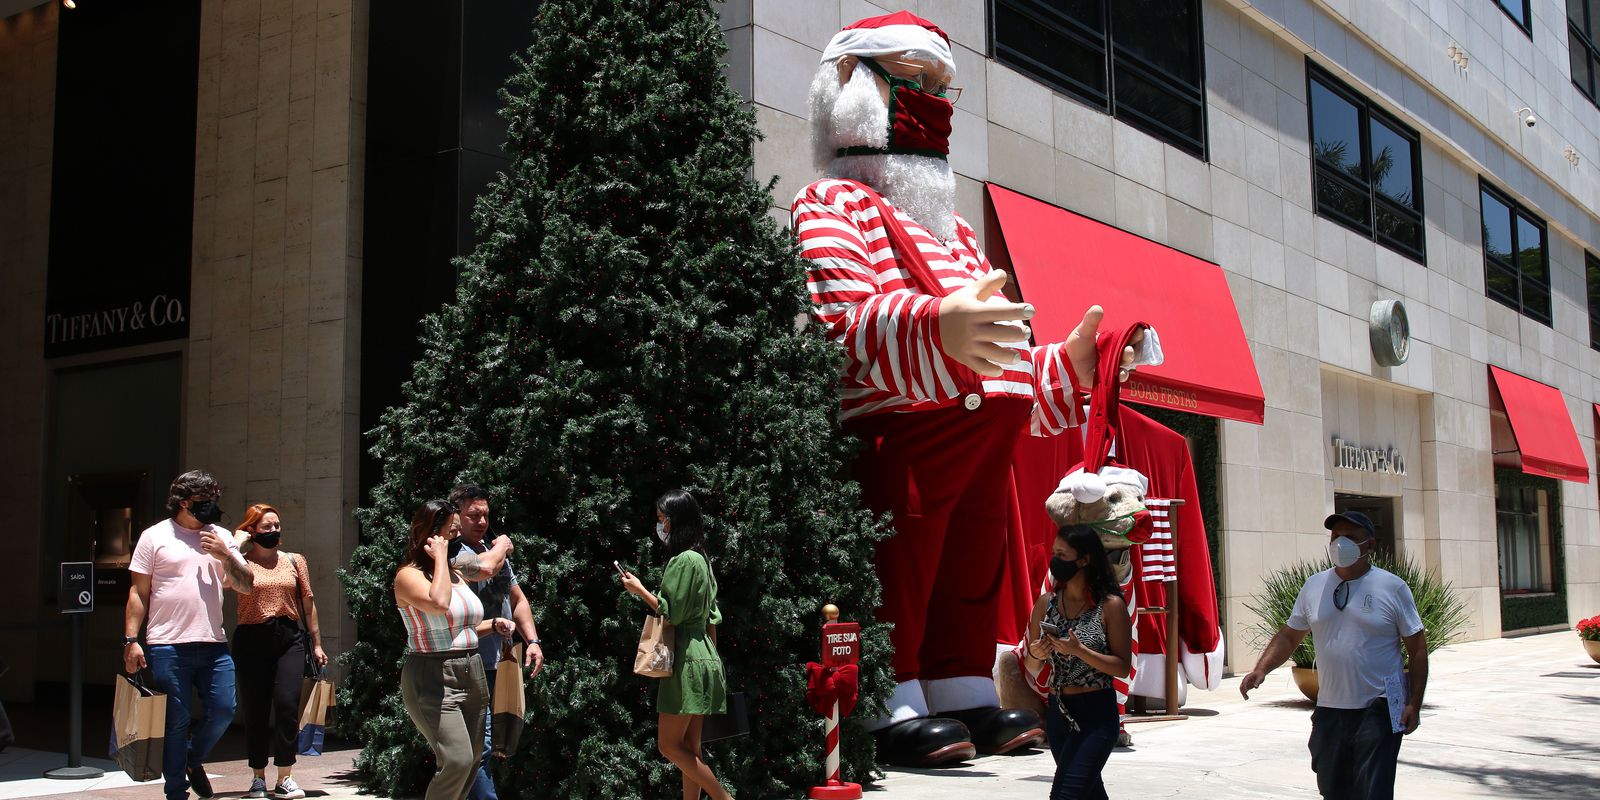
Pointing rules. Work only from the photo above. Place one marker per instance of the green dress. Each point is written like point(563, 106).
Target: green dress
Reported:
point(688, 599)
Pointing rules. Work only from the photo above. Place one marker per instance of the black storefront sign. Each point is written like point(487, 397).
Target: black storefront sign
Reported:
point(122, 180)
point(157, 319)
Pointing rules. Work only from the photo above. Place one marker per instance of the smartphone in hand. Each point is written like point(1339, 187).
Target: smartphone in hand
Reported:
point(1049, 629)
point(621, 573)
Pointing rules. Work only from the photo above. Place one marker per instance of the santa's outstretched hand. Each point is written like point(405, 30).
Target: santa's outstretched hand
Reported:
point(1081, 348)
point(974, 325)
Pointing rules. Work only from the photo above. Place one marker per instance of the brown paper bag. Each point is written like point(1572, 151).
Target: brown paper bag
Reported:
point(138, 728)
point(653, 659)
point(316, 697)
point(510, 703)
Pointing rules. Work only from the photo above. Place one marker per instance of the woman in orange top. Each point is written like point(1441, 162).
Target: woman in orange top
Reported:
point(277, 622)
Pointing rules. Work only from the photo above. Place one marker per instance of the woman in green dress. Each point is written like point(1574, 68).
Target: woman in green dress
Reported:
point(688, 600)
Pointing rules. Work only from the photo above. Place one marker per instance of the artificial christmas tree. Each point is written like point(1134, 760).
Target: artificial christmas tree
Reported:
point(629, 323)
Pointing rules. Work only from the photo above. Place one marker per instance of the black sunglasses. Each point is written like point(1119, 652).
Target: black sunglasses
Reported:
point(1341, 595)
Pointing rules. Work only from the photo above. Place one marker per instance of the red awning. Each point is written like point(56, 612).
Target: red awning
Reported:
point(1064, 263)
point(1541, 425)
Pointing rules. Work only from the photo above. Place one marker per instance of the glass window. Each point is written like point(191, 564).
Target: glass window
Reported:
point(1336, 130)
point(1517, 10)
point(1516, 262)
point(1524, 538)
point(1591, 268)
point(1583, 45)
point(1496, 228)
point(1139, 60)
point(1061, 51)
point(1167, 47)
point(1392, 171)
point(1366, 167)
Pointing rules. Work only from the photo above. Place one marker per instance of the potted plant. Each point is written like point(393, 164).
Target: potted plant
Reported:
point(1443, 613)
point(1589, 633)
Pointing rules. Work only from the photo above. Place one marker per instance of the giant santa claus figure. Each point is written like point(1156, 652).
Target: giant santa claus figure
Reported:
point(939, 379)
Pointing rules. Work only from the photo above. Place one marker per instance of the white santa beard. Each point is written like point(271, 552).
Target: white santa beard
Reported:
point(855, 115)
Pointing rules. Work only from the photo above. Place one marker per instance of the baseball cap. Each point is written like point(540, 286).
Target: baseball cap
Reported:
point(1354, 518)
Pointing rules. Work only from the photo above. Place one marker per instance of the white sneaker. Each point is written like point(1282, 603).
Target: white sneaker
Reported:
point(258, 788)
point(288, 790)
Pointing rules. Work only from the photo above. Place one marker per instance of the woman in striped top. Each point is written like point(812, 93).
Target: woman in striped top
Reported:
point(442, 682)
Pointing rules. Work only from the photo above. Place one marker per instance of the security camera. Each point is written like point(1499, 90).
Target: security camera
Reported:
point(1528, 118)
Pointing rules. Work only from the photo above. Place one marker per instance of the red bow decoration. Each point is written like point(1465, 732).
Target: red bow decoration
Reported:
point(824, 685)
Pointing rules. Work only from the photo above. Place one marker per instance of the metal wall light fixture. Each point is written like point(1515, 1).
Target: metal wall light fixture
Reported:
point(1458, 56)
point(1572, 155)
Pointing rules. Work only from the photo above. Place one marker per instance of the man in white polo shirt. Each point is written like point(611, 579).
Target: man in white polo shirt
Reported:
point(180, 567)
point(1359, 615)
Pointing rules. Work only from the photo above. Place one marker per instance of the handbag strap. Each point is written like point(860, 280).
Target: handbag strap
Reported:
point(299, 592)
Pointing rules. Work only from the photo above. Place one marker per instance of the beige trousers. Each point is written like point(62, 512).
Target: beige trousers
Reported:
point(447, 699)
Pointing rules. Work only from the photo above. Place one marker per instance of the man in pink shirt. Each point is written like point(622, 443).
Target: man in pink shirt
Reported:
point(180, 567)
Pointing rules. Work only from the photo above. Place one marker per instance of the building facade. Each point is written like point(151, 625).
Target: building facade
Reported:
point(1329, 156)
point(218, 257)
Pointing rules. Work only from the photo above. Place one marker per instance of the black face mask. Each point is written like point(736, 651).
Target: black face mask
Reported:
point(455, 547)
point(267, 540)
point(206, 511)
point(1063, 569)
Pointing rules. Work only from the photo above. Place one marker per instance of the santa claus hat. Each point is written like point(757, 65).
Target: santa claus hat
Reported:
point(891, 33)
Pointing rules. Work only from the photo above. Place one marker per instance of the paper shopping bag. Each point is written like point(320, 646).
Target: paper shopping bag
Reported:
point(654, 656)
point(509, 703)
point(316, 697)
point(138, 728)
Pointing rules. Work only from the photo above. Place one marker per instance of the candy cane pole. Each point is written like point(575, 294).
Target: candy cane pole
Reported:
point(832, 787)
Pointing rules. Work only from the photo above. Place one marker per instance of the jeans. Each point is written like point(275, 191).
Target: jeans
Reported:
point(178, 670)
point(1081, 754)
point(1354, 752)
point(271, 661)
point(483, 783)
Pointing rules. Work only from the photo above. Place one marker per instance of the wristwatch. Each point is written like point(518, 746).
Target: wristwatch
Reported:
point(536, 641)
point(127, 640)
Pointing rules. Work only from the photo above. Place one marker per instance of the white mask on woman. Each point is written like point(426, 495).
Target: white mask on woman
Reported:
point(661, 532)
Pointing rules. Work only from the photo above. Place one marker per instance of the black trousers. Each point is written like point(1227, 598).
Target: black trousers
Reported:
point(1081, 753)
point(1353, 752)
point(270, 661)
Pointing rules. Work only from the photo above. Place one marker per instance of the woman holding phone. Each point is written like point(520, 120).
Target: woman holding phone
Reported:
point(442, 682)
point(1083, 630)
point(688, 600)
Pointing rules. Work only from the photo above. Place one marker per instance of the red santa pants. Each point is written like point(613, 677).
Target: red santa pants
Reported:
point(945, 476)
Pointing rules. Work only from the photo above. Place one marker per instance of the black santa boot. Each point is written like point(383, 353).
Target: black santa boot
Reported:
point(925, 742)
point(996, 731)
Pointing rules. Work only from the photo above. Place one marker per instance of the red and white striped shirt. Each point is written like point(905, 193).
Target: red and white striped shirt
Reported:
point(455, 629)
point(889, 325)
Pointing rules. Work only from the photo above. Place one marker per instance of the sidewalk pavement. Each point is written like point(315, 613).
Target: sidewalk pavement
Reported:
point(1504, 718)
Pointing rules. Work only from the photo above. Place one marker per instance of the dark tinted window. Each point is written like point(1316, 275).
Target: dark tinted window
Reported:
point(1336, 130)
point(1583, 45)
point(1139, 60)
point(1496, 228)
point(1516, 260)
point(1591, 269)
point(1518, 11)
point(1392, 170)
point(1052, 47)
point(1366, 167)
